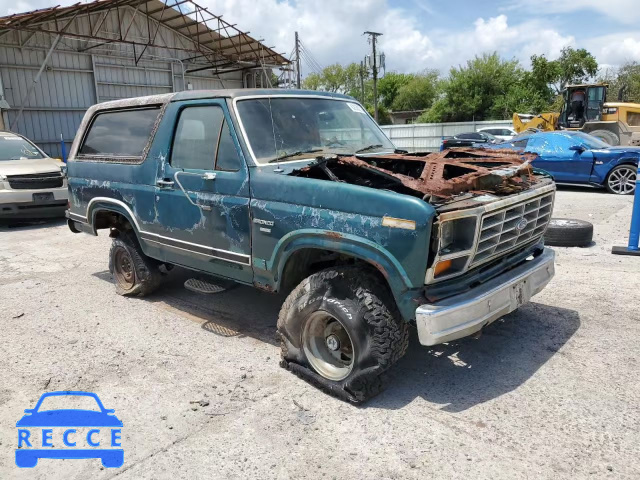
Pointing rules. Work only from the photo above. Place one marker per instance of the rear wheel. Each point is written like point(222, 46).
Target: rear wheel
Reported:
point(340, 330)
point(133, 272)
point(606, 136)
point(622, 180)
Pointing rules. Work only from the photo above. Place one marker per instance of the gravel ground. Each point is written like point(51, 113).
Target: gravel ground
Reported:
point(550, 391)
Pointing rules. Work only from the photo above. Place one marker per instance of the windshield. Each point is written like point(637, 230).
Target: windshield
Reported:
point(306, 127)
point(13, 147)
point(590, 141)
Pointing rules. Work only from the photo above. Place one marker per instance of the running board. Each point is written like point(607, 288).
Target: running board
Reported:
point(201, 286)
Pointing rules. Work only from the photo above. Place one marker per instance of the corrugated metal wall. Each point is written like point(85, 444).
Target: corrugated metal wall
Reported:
point(428, 136)
point(73, 81)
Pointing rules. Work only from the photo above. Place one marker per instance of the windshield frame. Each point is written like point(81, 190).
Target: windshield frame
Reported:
point(245, 137)
point(586, 137)
point(13, 134)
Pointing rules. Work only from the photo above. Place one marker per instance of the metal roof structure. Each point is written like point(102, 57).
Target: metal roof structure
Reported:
point(209, 41)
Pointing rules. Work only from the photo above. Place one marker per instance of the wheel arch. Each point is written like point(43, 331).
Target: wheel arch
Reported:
point(100, 206)
point(295, 244)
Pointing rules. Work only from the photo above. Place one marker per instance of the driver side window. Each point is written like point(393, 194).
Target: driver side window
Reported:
point(202, 141)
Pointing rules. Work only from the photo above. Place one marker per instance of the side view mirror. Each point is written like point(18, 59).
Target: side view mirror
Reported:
point(29, 410)
point(577, 148)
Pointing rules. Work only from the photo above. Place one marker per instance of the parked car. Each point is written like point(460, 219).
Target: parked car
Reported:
point(301, 192)
point(468, 140)
point(578, 158)
point(31, 184)
point(501, 133)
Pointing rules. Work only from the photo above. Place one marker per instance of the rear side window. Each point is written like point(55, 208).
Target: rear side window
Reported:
point(203, 142)
point(521, 143)
point(123, 133)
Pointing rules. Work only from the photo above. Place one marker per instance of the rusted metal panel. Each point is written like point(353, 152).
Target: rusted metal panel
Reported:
point(443, 174)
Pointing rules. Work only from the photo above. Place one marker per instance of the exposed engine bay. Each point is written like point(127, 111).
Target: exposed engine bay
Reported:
point(437, 178)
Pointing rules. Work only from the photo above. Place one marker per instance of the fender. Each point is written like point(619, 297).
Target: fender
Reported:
point(352, 245)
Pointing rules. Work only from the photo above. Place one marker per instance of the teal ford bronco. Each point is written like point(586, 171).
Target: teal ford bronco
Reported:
point(301, 192)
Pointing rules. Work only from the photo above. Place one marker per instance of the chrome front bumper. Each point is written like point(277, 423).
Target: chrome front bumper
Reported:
point(467, 313)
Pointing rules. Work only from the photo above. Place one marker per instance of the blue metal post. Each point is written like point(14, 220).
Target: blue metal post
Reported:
point(634, 231)
point(64, 149)
point(633, 248)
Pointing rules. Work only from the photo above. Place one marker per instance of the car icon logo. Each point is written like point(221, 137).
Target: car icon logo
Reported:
point(521, 225)
point(84, 433)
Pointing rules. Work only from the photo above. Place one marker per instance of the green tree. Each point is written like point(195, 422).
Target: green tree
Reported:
point(624, 82)
point(334, 78)
point(418, 93)
point(390, 85)
point(483, 89)
point(573, 66)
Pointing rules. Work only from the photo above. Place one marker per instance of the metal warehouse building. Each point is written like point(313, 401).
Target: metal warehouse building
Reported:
point(57, 62)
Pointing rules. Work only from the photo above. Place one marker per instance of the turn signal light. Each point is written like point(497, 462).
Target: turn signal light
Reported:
point(441, 267)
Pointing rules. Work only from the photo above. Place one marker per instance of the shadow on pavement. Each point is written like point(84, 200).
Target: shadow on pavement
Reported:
point(31, 224)
point(457, 375)
point(468, 372)
point(239, 311)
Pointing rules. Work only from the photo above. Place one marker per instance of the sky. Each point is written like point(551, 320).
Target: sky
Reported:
point(429, 34)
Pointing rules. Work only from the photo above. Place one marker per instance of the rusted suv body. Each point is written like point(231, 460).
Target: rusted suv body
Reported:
point(301, 192)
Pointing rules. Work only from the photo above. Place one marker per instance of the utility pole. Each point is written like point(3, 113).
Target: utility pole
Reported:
point(372, 38)
point(362, 82)
point(297, 61)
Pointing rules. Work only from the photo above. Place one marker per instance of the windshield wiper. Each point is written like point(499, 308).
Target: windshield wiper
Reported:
point(294, 154)
point(369, 147)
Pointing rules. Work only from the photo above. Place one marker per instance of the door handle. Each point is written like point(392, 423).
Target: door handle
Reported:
point(165, 183)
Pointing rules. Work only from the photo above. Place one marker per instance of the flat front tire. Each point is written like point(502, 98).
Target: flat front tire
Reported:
point(340, 330)
point(134, 274)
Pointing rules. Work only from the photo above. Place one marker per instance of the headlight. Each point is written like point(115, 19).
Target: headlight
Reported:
point(454, 245)
point(457, 235)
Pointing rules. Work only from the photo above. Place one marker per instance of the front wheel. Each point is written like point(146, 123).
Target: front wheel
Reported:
point(341, 331)
point(622, 180)
point(134, 273)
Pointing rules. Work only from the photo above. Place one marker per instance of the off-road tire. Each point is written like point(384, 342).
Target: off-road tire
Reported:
point(146, 273)
point(568, 232)
point(361, 302)
point(606, 136)
point(632, 181)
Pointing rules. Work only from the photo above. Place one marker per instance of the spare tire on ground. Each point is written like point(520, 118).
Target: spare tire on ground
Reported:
point(568, 232)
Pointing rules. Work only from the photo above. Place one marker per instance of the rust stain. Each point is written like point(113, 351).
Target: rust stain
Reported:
point(334, 235)
point(441, 174)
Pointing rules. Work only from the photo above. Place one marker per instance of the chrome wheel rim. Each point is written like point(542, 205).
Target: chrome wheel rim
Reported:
point(123, 268)
point(622, 181)
point(327, 346)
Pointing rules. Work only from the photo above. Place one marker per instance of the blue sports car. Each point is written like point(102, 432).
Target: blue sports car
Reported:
point(578, 158)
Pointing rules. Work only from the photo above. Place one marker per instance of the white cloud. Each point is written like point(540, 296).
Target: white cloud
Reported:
point(332, 31)
point(623, 11)
point(615, 49)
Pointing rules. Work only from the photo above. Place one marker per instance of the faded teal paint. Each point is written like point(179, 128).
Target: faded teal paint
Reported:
point(346, 243)
point(306, 213)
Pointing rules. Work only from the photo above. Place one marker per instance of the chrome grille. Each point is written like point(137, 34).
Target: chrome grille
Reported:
point(512, 227)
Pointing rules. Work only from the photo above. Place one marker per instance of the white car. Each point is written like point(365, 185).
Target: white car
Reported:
point(32, 185)
point(503, 133)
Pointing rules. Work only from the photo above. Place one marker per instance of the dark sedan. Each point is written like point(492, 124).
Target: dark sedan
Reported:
point(578, 158)
point(469, 140)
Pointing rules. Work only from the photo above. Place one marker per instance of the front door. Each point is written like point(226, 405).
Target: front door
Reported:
point(202, 194)
point(556, 157)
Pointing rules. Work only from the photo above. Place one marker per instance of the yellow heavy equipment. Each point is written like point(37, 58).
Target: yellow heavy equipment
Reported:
point(585, 108)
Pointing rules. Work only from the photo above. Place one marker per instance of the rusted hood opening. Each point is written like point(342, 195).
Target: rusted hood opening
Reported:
point(431, 176)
